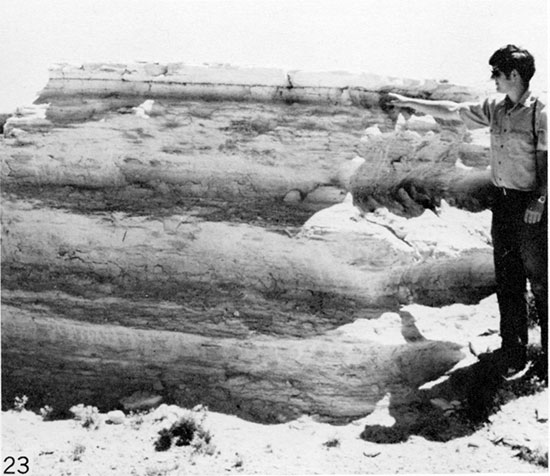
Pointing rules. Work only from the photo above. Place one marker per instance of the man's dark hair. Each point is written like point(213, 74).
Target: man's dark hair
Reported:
point(511, 57)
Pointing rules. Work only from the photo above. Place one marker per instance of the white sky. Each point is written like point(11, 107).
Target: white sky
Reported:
point(435, 39)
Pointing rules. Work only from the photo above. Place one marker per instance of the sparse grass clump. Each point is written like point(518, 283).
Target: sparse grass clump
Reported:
point(77, 452)
point(410, 191)
point(252, 127)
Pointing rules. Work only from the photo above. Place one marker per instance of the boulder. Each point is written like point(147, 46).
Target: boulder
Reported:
point(116, 417)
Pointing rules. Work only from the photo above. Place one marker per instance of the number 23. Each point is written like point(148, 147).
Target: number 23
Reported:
point(23, 464)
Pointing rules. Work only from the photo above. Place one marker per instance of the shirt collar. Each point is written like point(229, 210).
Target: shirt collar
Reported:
point(526, 100)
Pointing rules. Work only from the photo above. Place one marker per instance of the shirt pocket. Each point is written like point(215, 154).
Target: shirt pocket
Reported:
point(520, 141)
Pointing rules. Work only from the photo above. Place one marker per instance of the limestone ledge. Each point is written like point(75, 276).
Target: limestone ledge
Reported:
point(222, 81)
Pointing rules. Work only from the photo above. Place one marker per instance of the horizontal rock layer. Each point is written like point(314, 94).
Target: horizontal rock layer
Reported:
point(259, 378)
point(229, 82)
point(163, 257)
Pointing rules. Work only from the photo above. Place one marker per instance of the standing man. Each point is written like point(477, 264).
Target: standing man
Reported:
point(519, 155)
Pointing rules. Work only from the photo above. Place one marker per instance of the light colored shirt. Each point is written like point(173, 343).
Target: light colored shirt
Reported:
point(513, 139)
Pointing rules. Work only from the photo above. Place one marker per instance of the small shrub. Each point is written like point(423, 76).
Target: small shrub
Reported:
point(384, 435)
point(78, 451)
point(45, 412)
point(88, 415)
point(20, 402)
point(332, 443)
point(164, 441)
point(185, 432)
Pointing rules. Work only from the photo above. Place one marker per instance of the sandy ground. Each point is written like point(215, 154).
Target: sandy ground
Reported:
point(515, 440)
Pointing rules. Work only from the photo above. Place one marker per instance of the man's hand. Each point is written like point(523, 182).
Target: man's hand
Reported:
point(534, 212)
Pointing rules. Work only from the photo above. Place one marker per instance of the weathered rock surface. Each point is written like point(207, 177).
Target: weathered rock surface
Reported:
point(159, 235)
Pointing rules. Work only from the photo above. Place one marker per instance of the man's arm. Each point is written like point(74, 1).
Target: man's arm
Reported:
point(441, 109)
point(534, 212)
point(542, 171)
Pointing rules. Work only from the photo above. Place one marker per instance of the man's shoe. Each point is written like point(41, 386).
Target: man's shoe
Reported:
point(511, 362)
point(515, 373)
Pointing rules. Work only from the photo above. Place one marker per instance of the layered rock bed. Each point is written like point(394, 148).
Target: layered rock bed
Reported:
point(191, 232)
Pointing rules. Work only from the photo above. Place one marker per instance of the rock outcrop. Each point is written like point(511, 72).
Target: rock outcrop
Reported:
point(190, 231)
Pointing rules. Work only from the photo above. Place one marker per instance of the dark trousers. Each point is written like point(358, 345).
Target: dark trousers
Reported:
point(520, 254)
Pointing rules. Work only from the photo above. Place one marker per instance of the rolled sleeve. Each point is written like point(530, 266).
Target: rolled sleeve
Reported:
point(475, 115)
point(542, 131)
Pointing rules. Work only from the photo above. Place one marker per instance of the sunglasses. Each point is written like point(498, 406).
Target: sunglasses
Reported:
point(495, 73)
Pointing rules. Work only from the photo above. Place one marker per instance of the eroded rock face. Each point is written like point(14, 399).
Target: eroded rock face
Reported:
point(210, 251)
